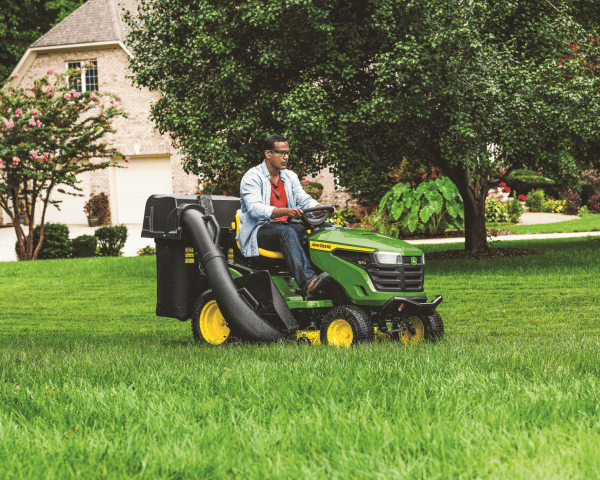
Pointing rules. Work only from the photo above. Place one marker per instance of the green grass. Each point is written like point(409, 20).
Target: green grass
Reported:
point(93, 385)
point(589, 222)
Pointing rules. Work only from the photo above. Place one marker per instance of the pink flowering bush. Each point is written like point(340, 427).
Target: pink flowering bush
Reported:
point(34, 120)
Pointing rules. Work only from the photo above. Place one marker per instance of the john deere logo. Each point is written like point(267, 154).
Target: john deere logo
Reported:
point(413, 260)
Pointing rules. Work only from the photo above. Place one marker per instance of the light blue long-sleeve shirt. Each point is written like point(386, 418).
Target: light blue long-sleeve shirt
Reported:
point(255, 193)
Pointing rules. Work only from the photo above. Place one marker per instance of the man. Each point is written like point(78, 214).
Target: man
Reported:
point(270, 196)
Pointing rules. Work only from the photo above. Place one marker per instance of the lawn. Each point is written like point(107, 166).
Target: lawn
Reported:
point(589, 222)
point(94, 385)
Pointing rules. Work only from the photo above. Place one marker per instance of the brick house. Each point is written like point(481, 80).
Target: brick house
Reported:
point(96, 33)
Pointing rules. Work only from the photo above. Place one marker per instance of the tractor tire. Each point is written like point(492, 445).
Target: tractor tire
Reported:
point(345, 326)
point(423, 328)
point(208, 325)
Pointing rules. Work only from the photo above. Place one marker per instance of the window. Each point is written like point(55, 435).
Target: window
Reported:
point(89, 80)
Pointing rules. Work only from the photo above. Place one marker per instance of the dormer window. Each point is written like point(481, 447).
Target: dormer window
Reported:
point(85, 82)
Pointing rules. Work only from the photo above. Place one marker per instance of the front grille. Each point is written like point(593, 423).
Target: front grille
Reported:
point(389, 278)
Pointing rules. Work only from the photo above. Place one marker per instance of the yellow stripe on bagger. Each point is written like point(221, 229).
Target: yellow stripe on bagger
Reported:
point(329, 247)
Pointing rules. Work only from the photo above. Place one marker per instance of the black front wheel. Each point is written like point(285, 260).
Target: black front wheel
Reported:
point(422, 327)
point(345, 326)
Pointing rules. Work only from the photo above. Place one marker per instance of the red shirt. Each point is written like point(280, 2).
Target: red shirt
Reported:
point(278, 198)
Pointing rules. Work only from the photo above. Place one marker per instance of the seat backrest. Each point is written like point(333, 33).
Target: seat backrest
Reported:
point(261, 251)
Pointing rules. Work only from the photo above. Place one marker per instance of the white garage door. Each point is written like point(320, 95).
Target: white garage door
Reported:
point(71, 207)
point(134, 184)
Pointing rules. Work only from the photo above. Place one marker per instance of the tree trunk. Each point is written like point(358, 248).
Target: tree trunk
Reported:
point(473, 192)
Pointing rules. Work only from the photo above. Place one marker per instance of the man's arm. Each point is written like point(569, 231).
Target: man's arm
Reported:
point(286, 212)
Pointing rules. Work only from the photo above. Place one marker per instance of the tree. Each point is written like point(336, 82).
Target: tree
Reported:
point(49, 134)
point(23, 22)
point(473, 88)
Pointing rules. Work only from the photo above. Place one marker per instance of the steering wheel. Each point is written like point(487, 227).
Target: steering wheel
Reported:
point(315, 222)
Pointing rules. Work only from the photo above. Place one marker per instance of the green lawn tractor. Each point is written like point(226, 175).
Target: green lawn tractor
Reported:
point(376, 293)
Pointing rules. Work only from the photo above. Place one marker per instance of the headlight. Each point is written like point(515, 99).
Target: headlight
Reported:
point(389, 258)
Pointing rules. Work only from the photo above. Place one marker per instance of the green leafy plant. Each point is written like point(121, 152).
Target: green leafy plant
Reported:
point(434, 205)
point(495, 211)
point(56, 241)
point(111, 240)
point(553, 206)
point(343, 217)
point(535, 200)
point(84, 246)
point(97, 206)
point(146, 251)
point(314, 189)
point(515, 209)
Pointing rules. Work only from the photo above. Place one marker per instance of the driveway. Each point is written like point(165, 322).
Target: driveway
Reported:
point(8, 238)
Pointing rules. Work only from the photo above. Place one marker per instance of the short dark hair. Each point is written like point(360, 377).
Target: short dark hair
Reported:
point(269, 143)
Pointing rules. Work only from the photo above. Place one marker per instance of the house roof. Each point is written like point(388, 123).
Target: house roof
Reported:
point(94, 22)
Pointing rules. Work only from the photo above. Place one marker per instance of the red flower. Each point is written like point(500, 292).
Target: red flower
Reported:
point(502, 184)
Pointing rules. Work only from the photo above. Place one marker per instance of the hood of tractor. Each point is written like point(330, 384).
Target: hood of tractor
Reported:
point(361, 241)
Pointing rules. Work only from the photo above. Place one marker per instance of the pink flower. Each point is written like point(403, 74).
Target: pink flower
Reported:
point(10, 124)
point(45, 156)
point(127, 159)
point(32, 122)
point(39, 124)
point(15, 75)
point(34, 154)
point(18, 112)
point(35, 112)
point(77, 94)
point(118, 99)
point(49, 89)
point(78, 69)
point(16, 160)
point(51, 72)
point(1, 162)
point(112, 102)
point(67, 96)
point(93, 95)
point(83, 105)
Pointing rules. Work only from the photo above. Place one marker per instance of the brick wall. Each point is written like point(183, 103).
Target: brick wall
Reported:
point(339, 197)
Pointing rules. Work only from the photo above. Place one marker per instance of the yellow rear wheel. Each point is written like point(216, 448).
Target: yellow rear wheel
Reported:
point(208, 324)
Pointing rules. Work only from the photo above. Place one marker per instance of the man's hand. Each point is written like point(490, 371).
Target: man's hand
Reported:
point(287, 212)
point(322, 212)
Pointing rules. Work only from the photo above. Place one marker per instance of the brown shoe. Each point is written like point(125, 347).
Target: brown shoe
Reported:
point(317, 284)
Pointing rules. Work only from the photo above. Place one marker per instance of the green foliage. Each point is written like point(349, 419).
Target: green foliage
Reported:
point(226, 182)
point(146, 251)
point(84, 246)
point(362, 85)
point(314, 189)
point(381, 223)
point(434, 205)
point(56, 243)
point(111, 240)
point(48, 134)
point(344, 217)
point(553, 206)
point(535, 200)
point(530, 180)
point(22, 23)
point(583, 210)
point(515, 209)
point(495, 211)
point(97, 206)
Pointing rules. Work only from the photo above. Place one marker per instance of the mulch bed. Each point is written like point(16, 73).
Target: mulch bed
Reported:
point(491, 253)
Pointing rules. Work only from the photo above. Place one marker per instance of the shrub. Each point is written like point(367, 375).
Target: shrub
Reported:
point(56, 241)
point(227, 183)
point(535, 201)
point(97, 206)
point(572, 201)
point(583, 210)
point(527, 180)
point(432, 205)
point(146, 251)
point(343, 217)
point(495, 211)
point(111, 240)
point(554, 206)
point(314, 189)
point(594, 202)
point(84, 246)
point(515, 210)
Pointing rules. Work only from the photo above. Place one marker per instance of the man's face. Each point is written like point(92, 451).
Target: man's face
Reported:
point(277, 160)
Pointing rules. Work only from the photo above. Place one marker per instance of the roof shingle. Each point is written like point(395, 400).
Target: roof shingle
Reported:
point(95, 21)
